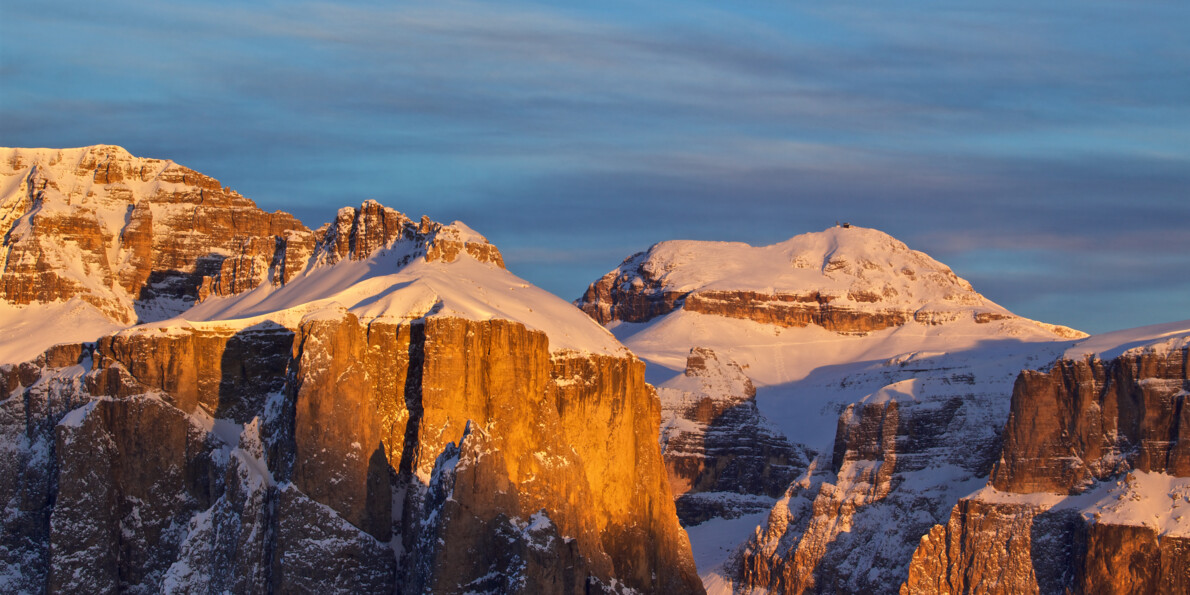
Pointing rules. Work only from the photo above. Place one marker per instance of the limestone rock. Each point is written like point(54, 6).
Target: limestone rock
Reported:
point(141, 233)
point(722, 457)
point(440, 454)
point(228, 374)
point(1087, 420)
point(357, 233)
point(995, 548)
point(999, 547)
point(901, 459)
point(36, 395)
point(131, 473)
point(846, 280)
point(1051, 520)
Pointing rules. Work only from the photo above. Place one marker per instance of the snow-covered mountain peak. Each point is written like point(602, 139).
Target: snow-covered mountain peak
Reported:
point(844, 279)
point(96, 239)
point(854, 264)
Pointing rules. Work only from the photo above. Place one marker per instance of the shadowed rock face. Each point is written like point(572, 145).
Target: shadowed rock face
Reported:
point(440, 455)
point(819, 536)
point(1088, 420)
point(131, 474)
point(1083, 422)
point(1018, 548)
point(925, 435)
point(719, 452)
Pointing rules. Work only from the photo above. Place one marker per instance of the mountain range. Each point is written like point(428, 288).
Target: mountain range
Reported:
point(200, 396)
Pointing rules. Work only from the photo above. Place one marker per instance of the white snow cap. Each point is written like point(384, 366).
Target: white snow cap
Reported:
point(859, 267)
point(1157, 337)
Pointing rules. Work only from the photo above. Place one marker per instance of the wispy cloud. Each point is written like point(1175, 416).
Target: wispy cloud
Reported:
point(1042, 132)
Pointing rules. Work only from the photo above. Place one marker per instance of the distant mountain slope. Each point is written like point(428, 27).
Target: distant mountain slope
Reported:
point(843, 279)
point(887, 372)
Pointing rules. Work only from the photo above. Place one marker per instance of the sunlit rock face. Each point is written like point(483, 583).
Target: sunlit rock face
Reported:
point(444, 455)
point(1092, 490)
point(139, 239)
point(357, 233)
point(1005, 547)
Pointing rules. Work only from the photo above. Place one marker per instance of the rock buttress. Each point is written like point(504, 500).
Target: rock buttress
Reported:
point(1047, 522)
point(1087, 420)
point(439, 455)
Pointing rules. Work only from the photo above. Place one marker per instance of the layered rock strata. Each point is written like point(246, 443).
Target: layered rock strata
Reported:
point(720, 453)
point(794, 310)
point(139, 239)
point(1091, 492)
point(1087, 420)
point(991, 546)
point(441, 455)
point(358, 233)
point(845, 280)
point(901, 459)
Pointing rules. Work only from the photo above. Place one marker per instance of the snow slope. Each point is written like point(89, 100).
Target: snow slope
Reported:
point(26, 331)
point(851, 268)
point(385, 286)
point(1157, 337)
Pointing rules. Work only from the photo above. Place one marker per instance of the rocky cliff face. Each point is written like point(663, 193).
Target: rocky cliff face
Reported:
point(901, 458)
point(357, 233)
point(723, 458)
point(1091, 492)
point(1001, 543)
point(444, 455)
point(846, 330)
point(1088, 419)
point(139, 239)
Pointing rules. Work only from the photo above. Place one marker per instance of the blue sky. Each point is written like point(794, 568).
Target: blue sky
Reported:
point(1041, 151)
